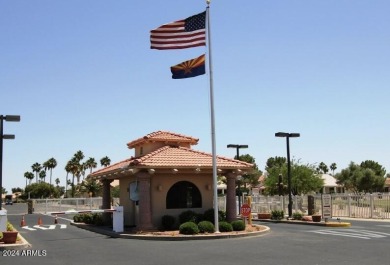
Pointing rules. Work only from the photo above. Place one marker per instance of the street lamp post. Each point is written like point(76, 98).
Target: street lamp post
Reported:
point(288, 136)
point(238, 146)
point(4, 136)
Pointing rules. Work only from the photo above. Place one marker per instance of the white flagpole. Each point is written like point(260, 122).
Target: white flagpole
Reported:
point(215, 180)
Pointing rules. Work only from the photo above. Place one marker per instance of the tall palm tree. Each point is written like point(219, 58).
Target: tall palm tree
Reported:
point(105, 161)
point(51, 163)
point(333, 167)
point(29, 175)
point(36, 168)
point(57, 181)
point(68, 169)
point(45, 166)
point(42, 175)
point(90, 164)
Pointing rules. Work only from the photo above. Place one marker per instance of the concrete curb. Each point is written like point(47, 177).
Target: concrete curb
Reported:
point(168, 237)
point(329, 224)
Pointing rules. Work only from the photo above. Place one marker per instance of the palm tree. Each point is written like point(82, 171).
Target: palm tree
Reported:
point(45, 167)
point(51, 163)
point(28, 175)
point(57, 181)
point(105, 161)
point(92, 187)
point(90, 164)
point(42, 175)
point(36, 168)
point(68, 169)
point(333, 167)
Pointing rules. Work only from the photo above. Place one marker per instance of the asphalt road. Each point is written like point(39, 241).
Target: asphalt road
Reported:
point(363, 243)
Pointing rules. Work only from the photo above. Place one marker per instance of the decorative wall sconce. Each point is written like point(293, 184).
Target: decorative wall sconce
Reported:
point(208, 187)
point(197, 170)
point(174, 171)
point(151, 171)
point(159, 187)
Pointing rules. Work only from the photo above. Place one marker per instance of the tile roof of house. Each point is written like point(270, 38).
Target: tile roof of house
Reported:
point(175, 157)
point(163, 136)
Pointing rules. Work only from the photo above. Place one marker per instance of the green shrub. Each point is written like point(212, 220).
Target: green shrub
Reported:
point(77, 218)
point(188, 216)
point(97, 218)
point(225, 227)
point(188, 228)
point(209, 216)
point(168, 222)
point(238, 225)
point(297, 216)
point(206, 227)
point(277, 215)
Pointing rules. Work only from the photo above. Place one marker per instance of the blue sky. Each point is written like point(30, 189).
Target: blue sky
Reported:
point(82, 76)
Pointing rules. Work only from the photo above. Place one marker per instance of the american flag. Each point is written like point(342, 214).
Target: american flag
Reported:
point(181, 34)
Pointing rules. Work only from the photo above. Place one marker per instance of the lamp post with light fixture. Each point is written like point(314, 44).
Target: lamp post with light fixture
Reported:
point(4, 136)
point(288, 136)
point(238, 146)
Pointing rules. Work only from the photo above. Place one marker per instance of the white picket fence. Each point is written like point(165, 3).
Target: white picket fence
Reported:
point(376, 206)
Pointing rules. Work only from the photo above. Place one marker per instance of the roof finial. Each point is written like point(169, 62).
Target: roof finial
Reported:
point(208, 2)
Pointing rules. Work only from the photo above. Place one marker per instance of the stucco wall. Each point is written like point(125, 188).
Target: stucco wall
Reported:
point(159, 186)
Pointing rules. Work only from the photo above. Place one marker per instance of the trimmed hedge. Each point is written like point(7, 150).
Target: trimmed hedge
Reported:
point(168, 222)
point(225, 227)
point(89, 218)
point(188, 216)
point(238, 225)
point(188, 228)
point(206, 227)
point(209, 215)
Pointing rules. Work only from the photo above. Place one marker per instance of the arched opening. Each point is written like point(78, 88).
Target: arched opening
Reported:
point(183, 194)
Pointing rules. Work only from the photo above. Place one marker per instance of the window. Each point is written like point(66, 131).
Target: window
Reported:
point(183, 194)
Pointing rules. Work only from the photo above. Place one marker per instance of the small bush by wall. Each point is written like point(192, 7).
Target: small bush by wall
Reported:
point(168, 222)
point(209, 216)
point(188, 216)
point(206, 227)
point(188, 228)
point(225, 227)
point(238, 225)
point(277, 215)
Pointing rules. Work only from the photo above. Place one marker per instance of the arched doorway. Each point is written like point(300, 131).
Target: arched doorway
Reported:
point(183, 194)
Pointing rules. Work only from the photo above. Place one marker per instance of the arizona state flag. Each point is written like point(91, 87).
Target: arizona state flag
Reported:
point(190, 68)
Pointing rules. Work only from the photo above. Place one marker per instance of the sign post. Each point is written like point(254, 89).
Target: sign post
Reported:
point(245, 211)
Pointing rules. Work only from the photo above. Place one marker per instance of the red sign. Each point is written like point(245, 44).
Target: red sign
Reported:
point(245, 210)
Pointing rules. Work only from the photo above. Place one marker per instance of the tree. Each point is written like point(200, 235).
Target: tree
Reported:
point(253, 177)
point(322, 168)
point(68, 169)
point(40, 190)
point(303, 178)
point(333, 167)
point(91, 186)
point(36, 168)
point(276, 161)
point(362, 178)
point(51, 164)
point(42, 175)
point(29, 176)
point(3, 190)
point(57, 181)
point(105, 161)
point(90, 164)
point(375, 166)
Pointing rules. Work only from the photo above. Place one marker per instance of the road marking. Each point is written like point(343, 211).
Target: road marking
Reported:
point(362, 234)
point(44, 227)
point(384, 225)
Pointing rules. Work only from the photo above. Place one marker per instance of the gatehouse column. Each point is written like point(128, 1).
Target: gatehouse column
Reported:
point(231, 208)
point(106, 203)
point(145, 211)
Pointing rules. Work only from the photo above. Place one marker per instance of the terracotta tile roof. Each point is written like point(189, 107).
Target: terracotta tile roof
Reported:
point(176, 157)
point(163, 136)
